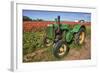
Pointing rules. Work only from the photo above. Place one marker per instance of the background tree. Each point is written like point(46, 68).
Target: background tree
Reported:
point(26, 18)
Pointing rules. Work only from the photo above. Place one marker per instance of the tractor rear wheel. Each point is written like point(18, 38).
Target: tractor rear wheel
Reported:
point(60, 49)
point(80, 36)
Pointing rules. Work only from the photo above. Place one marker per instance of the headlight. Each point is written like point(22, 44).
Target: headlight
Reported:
point(49, 25)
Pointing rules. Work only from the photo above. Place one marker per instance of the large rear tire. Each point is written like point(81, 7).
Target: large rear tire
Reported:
point(80, 36)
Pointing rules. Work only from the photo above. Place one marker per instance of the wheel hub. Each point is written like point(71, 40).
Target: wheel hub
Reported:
point(62, 50)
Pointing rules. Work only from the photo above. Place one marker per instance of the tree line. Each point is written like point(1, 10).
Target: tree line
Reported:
point(26, 18)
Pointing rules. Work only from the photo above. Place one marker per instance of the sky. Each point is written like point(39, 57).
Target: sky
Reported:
point(51, 15)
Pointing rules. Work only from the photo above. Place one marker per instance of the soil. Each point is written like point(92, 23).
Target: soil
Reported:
point(81, 53)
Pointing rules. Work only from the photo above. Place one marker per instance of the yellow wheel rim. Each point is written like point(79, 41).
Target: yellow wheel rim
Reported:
point(81, 37)
point(62, 50)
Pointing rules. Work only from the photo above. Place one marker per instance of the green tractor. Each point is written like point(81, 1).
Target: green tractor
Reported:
point(62, 35)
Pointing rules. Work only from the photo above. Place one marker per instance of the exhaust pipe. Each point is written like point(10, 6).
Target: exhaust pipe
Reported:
point(59, 20)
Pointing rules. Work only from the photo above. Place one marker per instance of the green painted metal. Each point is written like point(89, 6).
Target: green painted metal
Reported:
point(65, 27)
point(49, 31)
point(51, 27)
point(69, 36)
point(76, 28)
point(68, 32)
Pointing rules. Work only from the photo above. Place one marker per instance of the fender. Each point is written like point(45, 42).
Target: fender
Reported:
point(70, 34)
point(77, 28)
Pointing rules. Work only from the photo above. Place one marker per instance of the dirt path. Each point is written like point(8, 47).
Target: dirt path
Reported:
point(81, 53)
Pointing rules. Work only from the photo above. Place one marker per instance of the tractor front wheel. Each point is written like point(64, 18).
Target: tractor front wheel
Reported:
point(47, 41)
point(60, 49)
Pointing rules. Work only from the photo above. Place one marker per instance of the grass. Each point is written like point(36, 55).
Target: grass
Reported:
point(32, 41)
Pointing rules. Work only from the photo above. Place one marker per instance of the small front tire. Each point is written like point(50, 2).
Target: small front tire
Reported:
point(60, 49)
point(48, 42)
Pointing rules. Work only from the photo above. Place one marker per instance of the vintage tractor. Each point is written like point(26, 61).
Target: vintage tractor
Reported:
point(62, 35)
